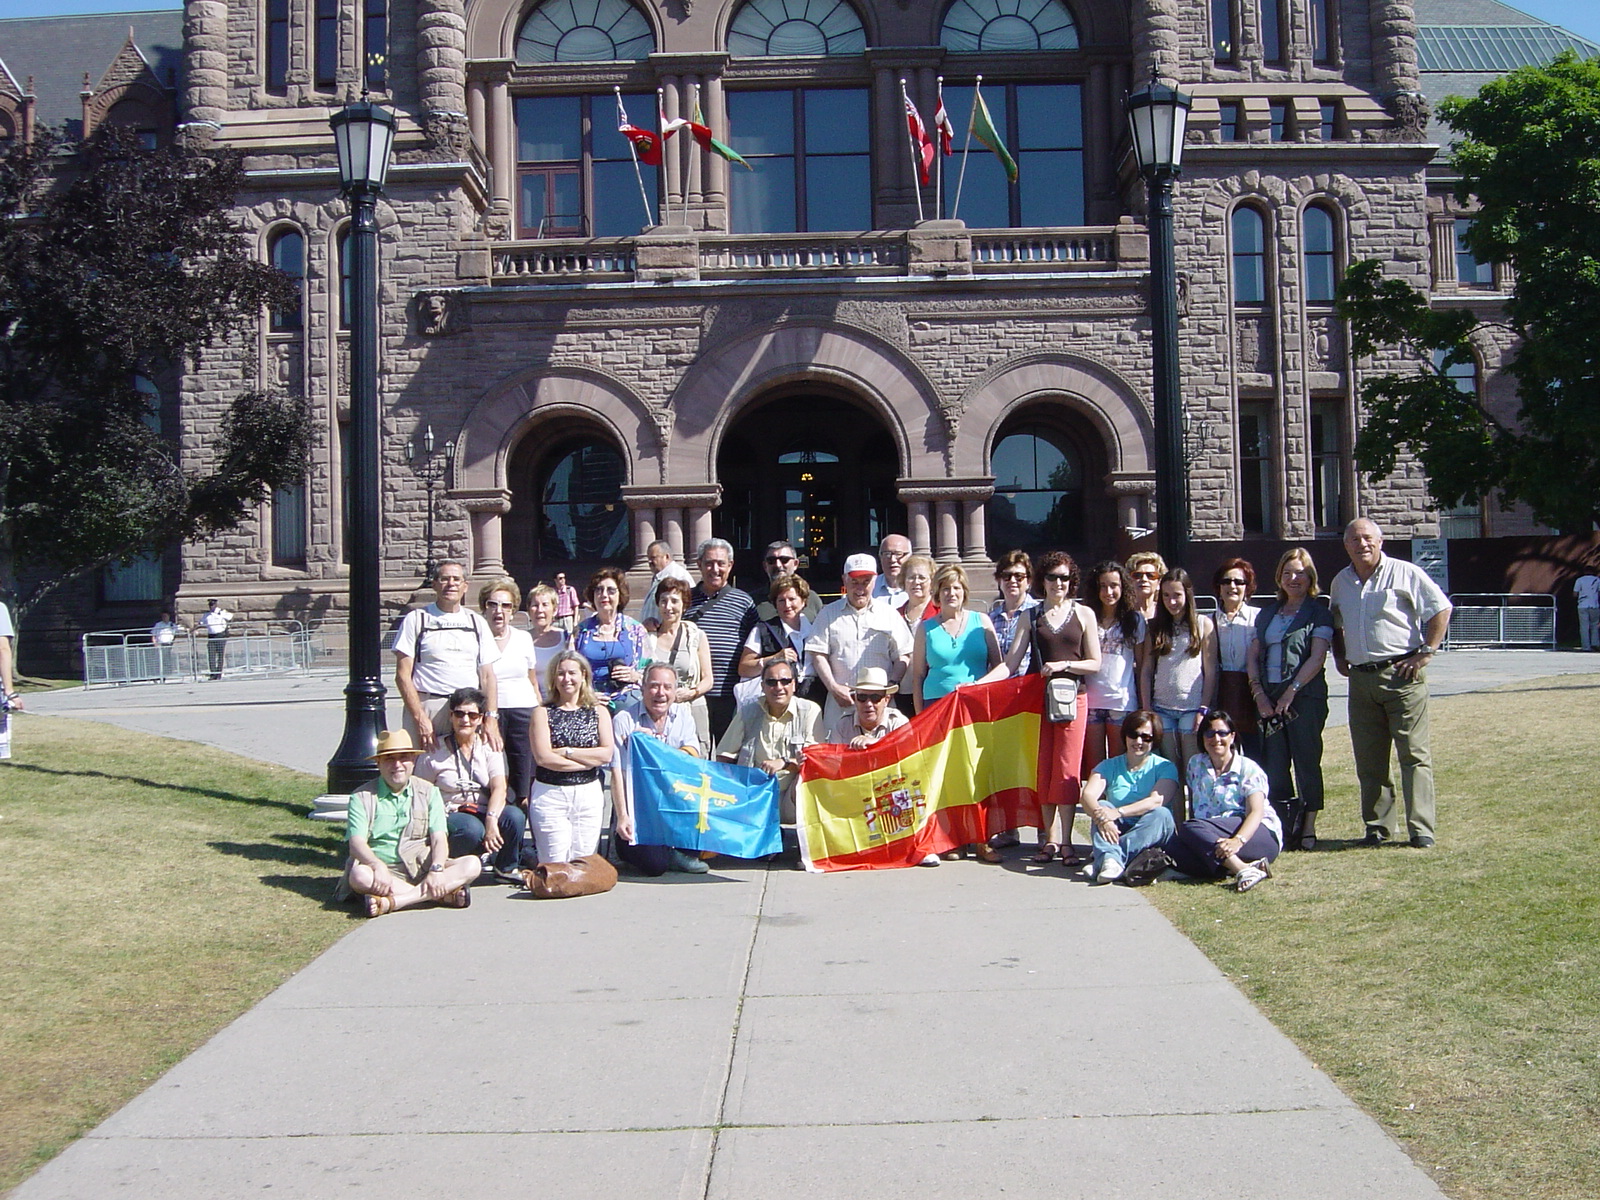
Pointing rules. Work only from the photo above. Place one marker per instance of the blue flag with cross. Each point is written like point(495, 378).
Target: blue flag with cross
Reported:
point(683, 801)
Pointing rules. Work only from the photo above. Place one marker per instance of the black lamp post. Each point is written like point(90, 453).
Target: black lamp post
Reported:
point(1157, 116)
point(419, 453)
point(364, 135)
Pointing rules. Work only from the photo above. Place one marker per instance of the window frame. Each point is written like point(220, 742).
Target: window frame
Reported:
point(1261, 463)
point(1331, 255)
point(275, 42)
point(1328, 463)
point(596, 112)
point(1261, 256)
point(286, 321)
point(800, 157)
point(1009, 122)
point(1225, 51)
point(1271, 33)
point(1460, 225)
point(560, 450)
point(325, 47)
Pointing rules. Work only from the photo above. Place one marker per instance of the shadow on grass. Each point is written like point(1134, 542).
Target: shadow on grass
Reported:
point(319, 889)
point(322, 856)
point(209, 793)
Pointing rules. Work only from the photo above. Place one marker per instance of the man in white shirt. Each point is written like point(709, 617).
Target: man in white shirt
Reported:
point(1587, 590)
point(771, 734)
point(892, 553)
point(216, 621)
point(653, 715)
point(1389, 618)
point(855, 632)
point(441, 648)
point(665, 567)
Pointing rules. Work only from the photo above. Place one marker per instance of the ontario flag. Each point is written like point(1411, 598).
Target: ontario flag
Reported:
point(965, 768)
point(941, 123)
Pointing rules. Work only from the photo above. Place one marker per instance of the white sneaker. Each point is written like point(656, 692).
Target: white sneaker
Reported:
point(1251, 874)
point(1110, 870)
point(931, 860)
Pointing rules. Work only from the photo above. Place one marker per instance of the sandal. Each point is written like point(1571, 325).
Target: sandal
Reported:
point(460, 898)
point(1069, 857)
point(377, 906)
point(984, 852)
point(1308, 841)
point(1048, 852)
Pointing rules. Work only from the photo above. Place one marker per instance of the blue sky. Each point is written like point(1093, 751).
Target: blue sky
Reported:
point(1580, 16)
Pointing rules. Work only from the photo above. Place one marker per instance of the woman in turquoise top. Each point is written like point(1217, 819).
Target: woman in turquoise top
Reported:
point(955, 646)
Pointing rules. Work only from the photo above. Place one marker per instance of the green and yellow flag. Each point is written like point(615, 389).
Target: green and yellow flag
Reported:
point(983, 129)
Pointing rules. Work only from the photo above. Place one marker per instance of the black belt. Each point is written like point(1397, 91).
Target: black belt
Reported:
point(1369, 668)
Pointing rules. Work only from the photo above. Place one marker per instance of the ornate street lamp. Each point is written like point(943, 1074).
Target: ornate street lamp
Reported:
point(419, 455)
point(364, 135)
point(1157, 116)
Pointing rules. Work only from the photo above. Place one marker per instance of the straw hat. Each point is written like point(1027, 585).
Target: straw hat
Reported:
point(394, 742)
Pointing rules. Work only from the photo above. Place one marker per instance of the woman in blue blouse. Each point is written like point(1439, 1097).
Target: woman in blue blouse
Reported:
point(612, 642)
point(1232, 829)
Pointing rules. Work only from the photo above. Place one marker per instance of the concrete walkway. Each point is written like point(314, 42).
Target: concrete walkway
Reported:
point(966, 1031)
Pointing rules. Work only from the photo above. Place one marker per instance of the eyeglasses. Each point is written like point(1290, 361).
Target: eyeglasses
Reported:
point(1139, 737)
point(462, 714)
point(773, 559)
point(784, 681)
point(1217, 733)
point(1053, 578)
point(1143, 574)
point(1233, 583)
point(499, 604)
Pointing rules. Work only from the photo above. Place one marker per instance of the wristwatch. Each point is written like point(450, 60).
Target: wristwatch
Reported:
point(435, 868)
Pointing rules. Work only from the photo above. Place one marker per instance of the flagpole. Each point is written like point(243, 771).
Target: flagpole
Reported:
point(966, 147)
point(938, 157)
point(633, 153)
point(666, 179)
point(911, 141)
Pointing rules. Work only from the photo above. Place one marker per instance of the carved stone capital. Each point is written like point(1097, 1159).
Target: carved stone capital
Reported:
point(482, 500)
point(688, 495)
point(931, 491)
point(1133, 483)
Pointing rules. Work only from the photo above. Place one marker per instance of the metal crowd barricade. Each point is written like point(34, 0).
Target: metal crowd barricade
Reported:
point(114, 657)
point(1503, 620)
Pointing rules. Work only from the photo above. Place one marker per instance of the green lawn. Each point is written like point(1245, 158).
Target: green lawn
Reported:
point(1453, 993)
point(154, 890)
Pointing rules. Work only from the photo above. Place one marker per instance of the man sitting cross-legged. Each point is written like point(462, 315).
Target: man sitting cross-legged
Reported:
point(399, 847)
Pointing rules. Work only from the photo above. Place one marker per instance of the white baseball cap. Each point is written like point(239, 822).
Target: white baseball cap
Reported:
point(861, 564)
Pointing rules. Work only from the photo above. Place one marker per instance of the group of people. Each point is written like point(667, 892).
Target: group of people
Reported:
point(1188, 741)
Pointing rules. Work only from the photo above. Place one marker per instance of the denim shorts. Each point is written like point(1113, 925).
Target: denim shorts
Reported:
point(1106, 716)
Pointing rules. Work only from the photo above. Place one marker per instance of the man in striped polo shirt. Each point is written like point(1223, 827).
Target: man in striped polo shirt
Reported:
point(726, 615)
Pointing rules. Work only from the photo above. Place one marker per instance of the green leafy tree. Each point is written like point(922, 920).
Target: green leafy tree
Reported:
point(118, 263)
point(1528, 151)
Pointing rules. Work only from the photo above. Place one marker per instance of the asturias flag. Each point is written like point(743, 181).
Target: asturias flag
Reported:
point(965, 768)
point(684, 801)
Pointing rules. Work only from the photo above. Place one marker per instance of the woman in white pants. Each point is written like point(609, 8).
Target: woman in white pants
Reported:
point(571, 735)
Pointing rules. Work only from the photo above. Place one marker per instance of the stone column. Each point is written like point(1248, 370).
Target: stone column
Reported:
point(700, 524)
point(947, 532)
point(921, 534)
point(502, 144)
point(644, 532)
point(442, 74)
point(1155, 25)
point(1133, 493)
point(714, 190)
point(205, 93)
point(487, 508)
point(672, 530)
point(974, 552)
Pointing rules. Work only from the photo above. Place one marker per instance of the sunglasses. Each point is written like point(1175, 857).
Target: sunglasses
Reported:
point(786, 681)
point(1016, 576)
point(780, 558)
point(1144, 575)
point(1233, 583)
point(1059, 578)
point(499, 604)
point(1217, 733)
point(462, 714)
point(868, 697)
point(1140, 737)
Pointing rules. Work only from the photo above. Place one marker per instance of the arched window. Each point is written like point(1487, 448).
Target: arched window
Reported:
point(1001, 26)
point(1320, 255)
point(581, 513)
point(792, 27)
point(1249, 256)
point(1463, 374)
point(584, 31)
point(287, 252)
point(1038, 490)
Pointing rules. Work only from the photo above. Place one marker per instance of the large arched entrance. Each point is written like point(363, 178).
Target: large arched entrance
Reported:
point(567, 512)
point(1049, 469)
point(811, 467)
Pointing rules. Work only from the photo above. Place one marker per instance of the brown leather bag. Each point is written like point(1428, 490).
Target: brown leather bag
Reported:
point(586, 876)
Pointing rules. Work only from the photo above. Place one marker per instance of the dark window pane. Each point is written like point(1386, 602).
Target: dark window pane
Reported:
point(327, 44)
point(836, 121)
point(289, 525)
point(288, 254)
point(582, 514)
point(1320, 256)
point(346, 300)
point(375, 37)
point(1224, 38)
point(1329, 120)
point(1279, 115)
point(1249, 257)
point(618, 208)
point(1051, 183)
point(549, 129)
point(762, 121)
point(1321, 12)
point(1255, 466)
point(762, 200)
point(1049, 117)
point(1038, 497)
point(838, 192)
point(1230, 121)
point(278, 46)
point(1271, 14)
point(1468, 269)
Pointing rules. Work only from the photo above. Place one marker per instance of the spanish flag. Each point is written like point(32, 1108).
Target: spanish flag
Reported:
point(965, 768)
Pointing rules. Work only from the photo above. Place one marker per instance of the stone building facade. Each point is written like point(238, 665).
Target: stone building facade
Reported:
point(814, 347)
